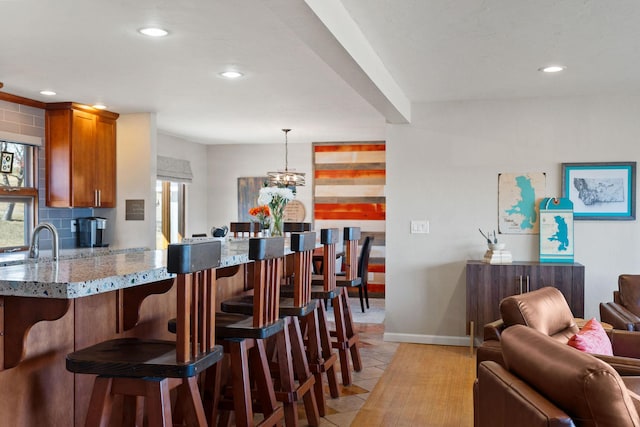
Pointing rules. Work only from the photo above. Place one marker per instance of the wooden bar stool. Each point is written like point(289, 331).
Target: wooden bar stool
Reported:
point(345, 337)
point(151, 368)
point(322, 359)
point(288, 228)
point(244, 229)
point(243, 338)
point(307, 388)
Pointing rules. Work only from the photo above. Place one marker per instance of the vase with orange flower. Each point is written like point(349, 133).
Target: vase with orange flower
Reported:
point(262, 215)
point(276, 198)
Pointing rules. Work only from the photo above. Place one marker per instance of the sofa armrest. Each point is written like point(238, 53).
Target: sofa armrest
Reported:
point(624, 366)
point(618, 316)
point(493, 330)
point(501, 398)
point(490, 350)
point(633, 388)
point(633, 384)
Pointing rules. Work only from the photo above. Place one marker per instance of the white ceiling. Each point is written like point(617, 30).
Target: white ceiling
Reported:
point(296, 75)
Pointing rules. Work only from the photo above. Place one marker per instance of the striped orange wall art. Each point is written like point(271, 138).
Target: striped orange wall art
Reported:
point(349, 190)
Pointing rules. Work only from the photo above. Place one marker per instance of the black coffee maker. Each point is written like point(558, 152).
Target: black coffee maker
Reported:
point(90, 232)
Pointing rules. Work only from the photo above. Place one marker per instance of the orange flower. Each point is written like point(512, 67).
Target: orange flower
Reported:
point(260, 211)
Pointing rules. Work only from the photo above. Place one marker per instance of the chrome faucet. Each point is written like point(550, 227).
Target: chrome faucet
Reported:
point(33, 248)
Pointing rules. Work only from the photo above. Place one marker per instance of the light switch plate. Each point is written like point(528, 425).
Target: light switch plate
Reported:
point(73, 225)
point(419, 226)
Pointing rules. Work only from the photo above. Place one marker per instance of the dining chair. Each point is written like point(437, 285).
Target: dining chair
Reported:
point(244, 229)
point(295, 227)
point(360, 280)
point(151, 368)
point(295, 308)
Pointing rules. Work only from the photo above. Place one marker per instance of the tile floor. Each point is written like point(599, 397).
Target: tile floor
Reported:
point(376, 355)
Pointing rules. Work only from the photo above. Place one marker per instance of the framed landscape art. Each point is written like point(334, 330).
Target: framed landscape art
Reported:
point(248, 191)
point(600, 191)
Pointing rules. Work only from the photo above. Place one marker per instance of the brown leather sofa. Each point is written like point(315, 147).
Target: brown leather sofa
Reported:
point(547, 311)
point(624, 311)
point(548, 383)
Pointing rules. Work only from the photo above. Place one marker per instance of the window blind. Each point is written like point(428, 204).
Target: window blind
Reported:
point(18, 138)
point(175, 170)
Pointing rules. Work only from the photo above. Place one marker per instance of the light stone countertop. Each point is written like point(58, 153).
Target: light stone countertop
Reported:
point(21, 257)
point(77, 277)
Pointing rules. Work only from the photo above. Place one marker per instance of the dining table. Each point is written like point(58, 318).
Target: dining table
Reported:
point(318, 259)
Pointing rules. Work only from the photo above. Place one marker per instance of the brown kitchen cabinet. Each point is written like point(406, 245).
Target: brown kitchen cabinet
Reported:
point(488, 284)
point(80, 155)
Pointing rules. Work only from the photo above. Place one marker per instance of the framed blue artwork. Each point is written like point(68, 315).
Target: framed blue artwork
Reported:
point(601, 191)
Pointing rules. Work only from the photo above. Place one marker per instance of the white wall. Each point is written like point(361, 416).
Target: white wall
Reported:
point(197, 193)
point(229, 162)
point(136, 172)
point(444, 167)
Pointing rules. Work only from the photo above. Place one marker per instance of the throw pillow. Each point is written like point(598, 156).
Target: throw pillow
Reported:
point(592, 339)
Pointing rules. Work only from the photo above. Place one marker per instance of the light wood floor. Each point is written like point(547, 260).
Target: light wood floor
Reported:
point(425, 385)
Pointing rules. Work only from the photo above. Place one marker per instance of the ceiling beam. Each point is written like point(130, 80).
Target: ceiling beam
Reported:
point(327, 29)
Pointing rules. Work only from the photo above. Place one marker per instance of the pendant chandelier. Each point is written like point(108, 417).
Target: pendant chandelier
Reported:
point(286, 178)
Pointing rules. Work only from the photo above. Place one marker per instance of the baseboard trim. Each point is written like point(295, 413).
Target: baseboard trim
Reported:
point(427, 339)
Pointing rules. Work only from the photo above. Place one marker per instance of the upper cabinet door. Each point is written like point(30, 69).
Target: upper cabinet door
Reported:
point(81, 156)
point(83, 159)
point(106, 162)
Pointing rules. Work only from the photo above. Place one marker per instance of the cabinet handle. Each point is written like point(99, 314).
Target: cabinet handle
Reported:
point(528, 289)
point(100, 200)
point(95, 197)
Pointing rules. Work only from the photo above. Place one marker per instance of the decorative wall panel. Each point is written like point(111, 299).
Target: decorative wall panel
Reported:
point(349, 190)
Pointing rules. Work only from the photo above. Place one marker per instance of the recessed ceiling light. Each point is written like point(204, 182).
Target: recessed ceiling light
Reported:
point(99, 106)
point(153, 32)
point(552, 69)
point(231, 74)
point(47, 92)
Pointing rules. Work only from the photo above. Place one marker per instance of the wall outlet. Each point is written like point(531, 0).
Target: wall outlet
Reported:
point(73, 225)
point(419, 226)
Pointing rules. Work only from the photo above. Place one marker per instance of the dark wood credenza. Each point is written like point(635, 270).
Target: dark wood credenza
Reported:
point(488, 284)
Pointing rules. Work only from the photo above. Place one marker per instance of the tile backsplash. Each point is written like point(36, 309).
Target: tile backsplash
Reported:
point(26, 120)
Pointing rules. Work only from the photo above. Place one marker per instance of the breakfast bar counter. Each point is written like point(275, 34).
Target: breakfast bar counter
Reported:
point(103, 272)
point(80, 277)
point(51, 308)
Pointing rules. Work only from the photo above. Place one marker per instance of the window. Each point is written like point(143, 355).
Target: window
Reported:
point(170, 202)
point(18, 195)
